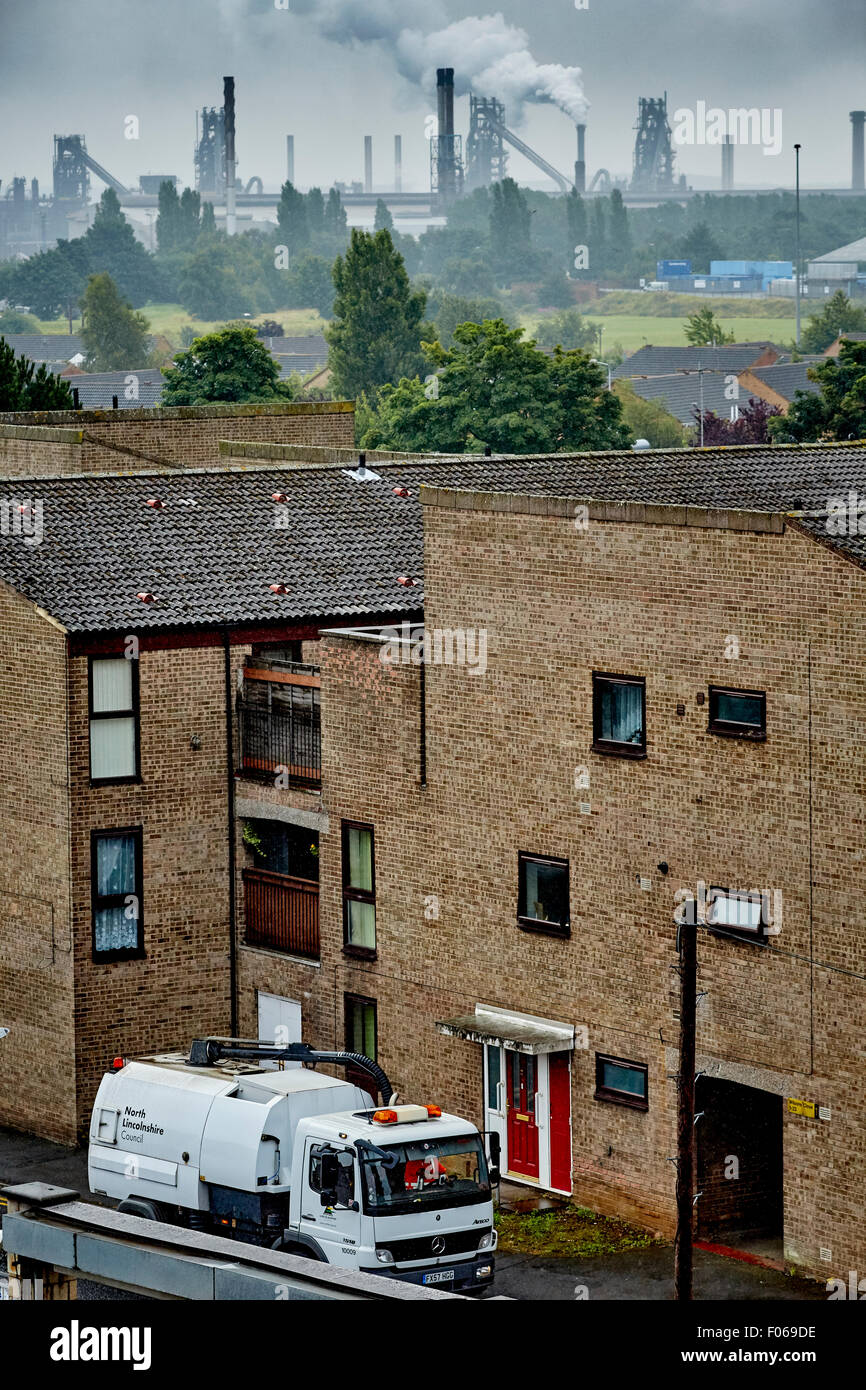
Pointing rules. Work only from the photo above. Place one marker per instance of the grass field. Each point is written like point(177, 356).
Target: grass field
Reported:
point(170, 319)
point(632, 332)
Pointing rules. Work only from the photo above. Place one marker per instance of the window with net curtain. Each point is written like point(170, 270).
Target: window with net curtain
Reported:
point(618, 713)
point(359, 891)
point(116, 893)
point(112, 719)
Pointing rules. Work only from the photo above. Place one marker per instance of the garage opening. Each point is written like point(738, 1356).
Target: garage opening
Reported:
point(739, 1168)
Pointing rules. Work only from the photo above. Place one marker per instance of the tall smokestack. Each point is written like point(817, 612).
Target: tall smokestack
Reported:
point(446, 174)
point(368, 164)
point(229, 128)
point(580, 162)
point(858, 171)
point(728, 164)
point(398, 163)
point(290, 158)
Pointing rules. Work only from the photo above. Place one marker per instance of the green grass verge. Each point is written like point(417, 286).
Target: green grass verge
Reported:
point(568, 1231)
point(169, 319)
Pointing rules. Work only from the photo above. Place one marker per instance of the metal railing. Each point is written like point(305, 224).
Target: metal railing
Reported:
point(275, 743)
point(282, 913)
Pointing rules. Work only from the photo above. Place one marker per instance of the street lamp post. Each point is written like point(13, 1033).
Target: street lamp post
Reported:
point(598, 362)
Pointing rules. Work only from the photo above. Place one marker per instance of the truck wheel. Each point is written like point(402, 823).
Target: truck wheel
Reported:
point(140, 1206)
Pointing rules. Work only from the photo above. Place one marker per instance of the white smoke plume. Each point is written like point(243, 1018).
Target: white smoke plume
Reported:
point(488, 54)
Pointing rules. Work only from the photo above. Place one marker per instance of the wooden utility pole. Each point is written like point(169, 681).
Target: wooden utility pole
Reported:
point(683, 1251)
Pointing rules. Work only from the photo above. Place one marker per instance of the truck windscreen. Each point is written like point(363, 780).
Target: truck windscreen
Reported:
point(446, 1172)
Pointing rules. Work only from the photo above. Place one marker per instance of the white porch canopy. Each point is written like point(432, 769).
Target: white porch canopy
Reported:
point(504, 1028)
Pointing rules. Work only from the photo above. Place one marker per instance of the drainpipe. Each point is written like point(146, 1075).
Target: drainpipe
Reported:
point(230, 799)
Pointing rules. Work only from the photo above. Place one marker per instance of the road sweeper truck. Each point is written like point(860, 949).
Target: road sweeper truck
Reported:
point(245, 1139)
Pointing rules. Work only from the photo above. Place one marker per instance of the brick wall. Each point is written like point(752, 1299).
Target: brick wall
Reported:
point(659, 594)
point(36, 972)
point(41, 443)
point(181, 988)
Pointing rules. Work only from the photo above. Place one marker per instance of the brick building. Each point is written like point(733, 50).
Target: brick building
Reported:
point(478, 880)
point(55, 442)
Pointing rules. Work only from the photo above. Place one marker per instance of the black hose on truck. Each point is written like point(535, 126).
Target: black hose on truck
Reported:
point(205, 1051)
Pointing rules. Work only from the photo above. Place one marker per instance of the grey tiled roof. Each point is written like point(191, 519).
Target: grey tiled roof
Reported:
point(788, 377)
point(679, 391)
point(96, 389)
point(55, 349)
point(661, 361)
point(211, 553)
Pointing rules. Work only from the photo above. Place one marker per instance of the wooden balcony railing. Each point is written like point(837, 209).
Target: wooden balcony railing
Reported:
point(282, 913)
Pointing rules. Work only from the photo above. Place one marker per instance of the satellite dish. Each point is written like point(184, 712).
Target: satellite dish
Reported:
point(641, 444)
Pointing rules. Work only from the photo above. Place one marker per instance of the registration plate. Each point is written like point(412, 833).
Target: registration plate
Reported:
point(438, 1276)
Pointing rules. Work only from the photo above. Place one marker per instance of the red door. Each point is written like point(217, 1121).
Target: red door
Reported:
point(522, 1129)
point(560, 1121)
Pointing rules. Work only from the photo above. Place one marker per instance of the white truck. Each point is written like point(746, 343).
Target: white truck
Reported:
point(297, 1160)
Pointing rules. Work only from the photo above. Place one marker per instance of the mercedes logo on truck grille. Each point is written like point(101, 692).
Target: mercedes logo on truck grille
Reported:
point(438, 1245)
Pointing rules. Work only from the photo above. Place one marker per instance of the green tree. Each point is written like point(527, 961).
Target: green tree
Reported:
point(648, 419)
point(16, 321)
point(336, 222)
point(207, 226)
point(448, 310)
point(112, 247)
point(230, 365)
point(376, 334)
point(567, 329)
point(703, 328)
point(839, 411)
point(23, 387)
point(223, 279)
point(837, 316)
point(493, 388)
point(383, 221)
point(294, 230)
point(510, 229)
point(700, 247)
point(115, 336)
point(168, 217)
point(315, 206)
point(311, 285)
point(52, 281)
point(575, 221)
point(619, 235)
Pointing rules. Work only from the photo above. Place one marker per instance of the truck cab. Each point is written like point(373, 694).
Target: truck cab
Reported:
point(400, 1191)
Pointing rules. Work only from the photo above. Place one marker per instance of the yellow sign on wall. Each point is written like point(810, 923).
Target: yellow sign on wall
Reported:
point(801, 1107)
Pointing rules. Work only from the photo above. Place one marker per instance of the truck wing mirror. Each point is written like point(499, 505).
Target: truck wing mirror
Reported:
point(495, 1148)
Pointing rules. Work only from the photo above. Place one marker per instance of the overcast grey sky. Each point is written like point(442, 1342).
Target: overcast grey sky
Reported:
point(83, 67)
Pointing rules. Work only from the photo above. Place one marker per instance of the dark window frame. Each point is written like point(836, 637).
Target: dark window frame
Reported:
point(725, 932)
point(561, 930)
point(98, 900)
point(608, 746)
point(358, 895)
point(609, 1093)
point(358, 1077)
point(134, 713)
point(726, 728)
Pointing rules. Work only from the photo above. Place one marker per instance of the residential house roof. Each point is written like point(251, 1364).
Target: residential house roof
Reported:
point(97, 389)
point(54, 349)
point(339, 546)
point(662, 361)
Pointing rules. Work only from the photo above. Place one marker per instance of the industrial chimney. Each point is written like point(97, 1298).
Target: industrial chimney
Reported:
point(368, 164)
point(398, 163)
point(290, 158)
point(229, 129)
point(858, 171)
point(447, 157)
point(580, 163)
point(728, 164)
